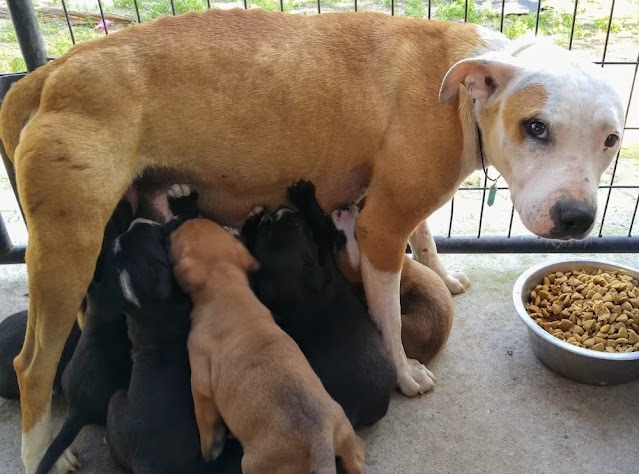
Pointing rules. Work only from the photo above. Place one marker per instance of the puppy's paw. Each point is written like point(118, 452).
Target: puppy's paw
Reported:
point(232, 230)
point(301, 193)
point(456, 282)
point(66, 463)
point(256, 211)
point(183, 201)
point(177, 191)
point(415, 379)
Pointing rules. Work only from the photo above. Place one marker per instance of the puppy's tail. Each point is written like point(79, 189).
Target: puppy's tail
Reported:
point(349, 448)
point(70, 429)
point(19, 104)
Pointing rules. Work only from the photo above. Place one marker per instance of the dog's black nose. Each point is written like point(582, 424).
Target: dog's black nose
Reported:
point(572, 219)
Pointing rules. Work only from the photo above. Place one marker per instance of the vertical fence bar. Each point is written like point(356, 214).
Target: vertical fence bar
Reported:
point(614, 168)
point(634, 215)
point(429, 7)
point(66, 15)
point(392, 7)
point(104, 23)
point(452, 213)
point(572, 27)
point(503, 15)
point(603, 58)
point(26, 25)
point(466, 12)
point(173, 7)
point(137, 10)
point(483, 202)
point(208, 5)
point(356, 5)
point(510, 224)
point(538, 16)
point(281, 6)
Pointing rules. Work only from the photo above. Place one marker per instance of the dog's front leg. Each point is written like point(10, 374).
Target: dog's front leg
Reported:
point(382, 255)
point(423, 246)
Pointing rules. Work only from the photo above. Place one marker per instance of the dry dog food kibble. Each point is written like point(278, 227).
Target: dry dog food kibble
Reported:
point(596, 310)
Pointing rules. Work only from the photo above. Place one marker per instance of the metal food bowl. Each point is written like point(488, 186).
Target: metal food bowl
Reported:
point(576, 363)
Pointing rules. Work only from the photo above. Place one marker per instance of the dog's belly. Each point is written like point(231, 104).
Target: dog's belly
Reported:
point(230, 204)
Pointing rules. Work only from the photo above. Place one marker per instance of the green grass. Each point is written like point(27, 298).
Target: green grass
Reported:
point(551, 21)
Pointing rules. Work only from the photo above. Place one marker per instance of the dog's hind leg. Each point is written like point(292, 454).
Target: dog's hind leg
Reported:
point(423, 246)
point(69, 181)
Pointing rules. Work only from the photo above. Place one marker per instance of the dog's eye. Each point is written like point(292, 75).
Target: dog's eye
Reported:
point(611, 140)
point(537, 129)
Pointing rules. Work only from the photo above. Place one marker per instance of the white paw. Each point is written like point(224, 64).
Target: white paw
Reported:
point(456, 282)
point(415, 379)
point(232, 230)
point(66, 463)
point(179, 190)
point(256, 211)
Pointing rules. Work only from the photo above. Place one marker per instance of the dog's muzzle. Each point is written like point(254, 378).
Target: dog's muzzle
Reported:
point(572, 219)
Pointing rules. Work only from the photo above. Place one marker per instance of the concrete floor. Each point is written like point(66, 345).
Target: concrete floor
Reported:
point(496, 408)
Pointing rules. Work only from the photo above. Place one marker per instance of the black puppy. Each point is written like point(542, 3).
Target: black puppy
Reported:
point(151, 427)
point(101, 363)
point(311, 300)
point(12, 331)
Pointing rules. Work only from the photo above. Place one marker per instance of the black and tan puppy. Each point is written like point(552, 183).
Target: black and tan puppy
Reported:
point(151, 427)
point(12, 331)
point(312, 301)
point(101, 363)
point(426, 303)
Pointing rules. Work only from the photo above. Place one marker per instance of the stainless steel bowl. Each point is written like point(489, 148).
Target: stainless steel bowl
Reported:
point(576, 363)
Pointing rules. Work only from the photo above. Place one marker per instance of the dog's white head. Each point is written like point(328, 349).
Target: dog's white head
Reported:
point(551, 125)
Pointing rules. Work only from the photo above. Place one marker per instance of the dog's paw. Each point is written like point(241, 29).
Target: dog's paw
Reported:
point(456, 282)
point(66, 463)
point(177, 191)
point(415, 379)
point(301, 193)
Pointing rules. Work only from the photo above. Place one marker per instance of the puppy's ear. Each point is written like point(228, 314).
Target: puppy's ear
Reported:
point(482, 76)
point(189, 274)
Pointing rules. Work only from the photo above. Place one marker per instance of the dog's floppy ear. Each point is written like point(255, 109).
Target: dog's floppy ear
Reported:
point(482, 76)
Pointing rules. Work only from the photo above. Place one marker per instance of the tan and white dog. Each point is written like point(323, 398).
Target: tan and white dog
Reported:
point(244, 103)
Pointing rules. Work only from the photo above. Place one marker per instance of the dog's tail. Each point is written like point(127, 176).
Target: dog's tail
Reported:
point(70, 429)
point(349, 448)
point(20, 103)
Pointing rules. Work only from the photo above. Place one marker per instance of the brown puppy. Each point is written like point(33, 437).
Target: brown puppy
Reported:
point(427, 306)
point(244, 103)
point(250, 373)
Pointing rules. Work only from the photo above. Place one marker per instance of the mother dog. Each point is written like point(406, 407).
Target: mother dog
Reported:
point(244, 103)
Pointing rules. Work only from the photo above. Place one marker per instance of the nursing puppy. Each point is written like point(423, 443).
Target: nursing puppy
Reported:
point(12, 331)
point(151, 427)
point(426, 304)
point(300, 283)
point(248, 372)
point(101, 363)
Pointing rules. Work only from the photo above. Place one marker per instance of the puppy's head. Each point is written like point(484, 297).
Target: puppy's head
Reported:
point(290, 267)
point(198, 246)
point(551, 124)
point(144, 270)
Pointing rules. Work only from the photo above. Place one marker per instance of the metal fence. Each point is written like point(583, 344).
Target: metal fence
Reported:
point(606, 30)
